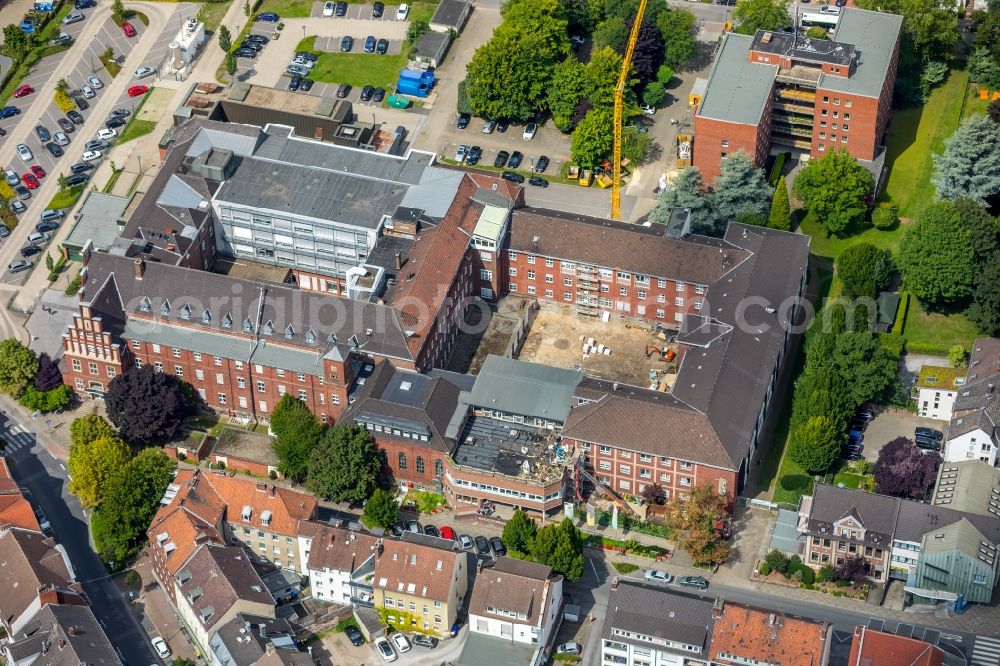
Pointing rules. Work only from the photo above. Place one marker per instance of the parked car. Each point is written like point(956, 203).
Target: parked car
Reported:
point(74, 117)
point(351, 631)
point(327, 9)
point(50, 214)
point(43, 133)
point(161, 647)
point(498, 548)
point(306, 55)
point(431, 530)
point(30, 251)
point(699, 582)
point(269, 17)
point(128, 29)
point(347, 43)
point(569, 648)
point(9, 112)
point(19, 265)
point(482, 546)
point(65, 125)
point(466, 542)
point(23, 152)
point(512, 176)
point(23, 91)
point(461, 153)
point(382, 47)
point(398, 529)
point(305, 85)
point(377, 10)
point(855, 436)
point(378, 95)
point(385, 649)
point(61, 139)
point(30, 181)
point(529, 131)
point(106, 133)
point(399, 639)
point(489, 126)
point(97, 144)
point(37, 171)
point(84, 4)
point(300, 70)
point(17, 208)
point(501, 159)
point(475, 152)
point(659, 577)
point(366, 93)
point(256, 47)
point(77, 179)
point(91, 155)
point(463, 120)
point(402, 12)
point(54, 149)
point(137, 91)
point(80, 100)
point(448, 533)
point(81, 167)
point(38, 238)
point(304, 62)
point(538, 181)
point(928, 433)
point(515, 160)
point(73, 17)
point(11, 177)
point(143, 72)
point(340, 9)
point(294, 82)
point(260, 39)
point(413, 526)
point(4, 232)
point(114, 122)
point(22, 192)
point(423, 640)
point(370, 44)
point(95, 82)
point(45, 227)
point(928, 444)
point(343, 90)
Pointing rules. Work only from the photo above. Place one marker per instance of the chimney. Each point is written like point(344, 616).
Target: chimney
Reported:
point(614, 583)
point(140, 268)
point(272, 490)
point(71, 631)
point(397, 261)
point(718, 607)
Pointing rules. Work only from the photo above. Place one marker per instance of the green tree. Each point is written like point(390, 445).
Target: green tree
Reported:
point(118, 11)
point(519, 532)
point(677, 27)
point(296, 433)
point(18, 366)
point(956, 356)
point(381, 509)
point(654, 93)
point(970, 164)
point(62, 182)
point(753, 15)
point(62, 85)
point(344, 465)
point(247, 11)
point(834, 188)
point(984, 311)
point(664, 75)
point(602, 77)
point(46, 401)
point(815, 444)
point(692, 520)
point(982, 227)
point(687, 191)
point(936, 257)
point(86, 429)
point(225, 39)
point(870, 366)
point(865, 270)
point(17, 43)
point(611, 34)
point(822, 394)
point(231, 67)
point(560, 546)
point(816, 32)
point(780, 216)
point(885, 216)
point(593, 138)
point(739, 188)
point(129, 502)
point(636, 145)
point(569, 84)
point(930, 28)
point(91, 465)
point(777, 561)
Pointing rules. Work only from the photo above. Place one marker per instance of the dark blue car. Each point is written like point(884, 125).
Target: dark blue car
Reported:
point(84, 4)
point(855, 436)
point(270, 17)
point(9, 111)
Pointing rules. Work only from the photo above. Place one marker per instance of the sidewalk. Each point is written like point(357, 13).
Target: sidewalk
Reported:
point(53, 436)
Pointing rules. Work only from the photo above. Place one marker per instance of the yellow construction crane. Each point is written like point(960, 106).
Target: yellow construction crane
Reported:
point(616, 164)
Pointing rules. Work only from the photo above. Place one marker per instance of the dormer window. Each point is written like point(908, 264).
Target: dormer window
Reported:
point(206, 317)
point(265, 518)
point(310, 335)
point(165, 308)
point(144, 304)
point(289, 332)
point(227, 320)
point(268, 328)
point(247, 325)
point(186, 312)
point(247, 512)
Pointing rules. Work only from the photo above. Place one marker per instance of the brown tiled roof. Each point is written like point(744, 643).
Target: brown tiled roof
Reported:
point(513, 585)
point(29, 561)
point(622, 246)
point(876, 648)
point(188, 520)
point(215, 578)
point(337, 549)
point(416, 569)
point(766, 637)
point(62, 636)
point(15, 511)
point(287, 506)
point(984, 358)
point(637, 425)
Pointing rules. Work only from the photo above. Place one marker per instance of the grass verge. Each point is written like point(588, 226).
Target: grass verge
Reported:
point(356, 69)
point(115, 175)
point(136, 128)
point(211, 14)
point(66, 198)
point(625, 568)
point(915, 135)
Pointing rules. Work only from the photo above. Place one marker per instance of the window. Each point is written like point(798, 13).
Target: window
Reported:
point(661, 298)
point(664, 478)
point(725, 143)
point(822, 135)
point(625, 469)
point(176, 352)
point(111, 371)
point(199, 374)
point(76, 365)
point(549, 263)
point(822, 147)
point(402, 461)
point(697, 305)
point(548, 293)
point(826, 99)
point(843, 139)
point(606, 465)
point(531, 275)
point(178, 371)
point(93, 367)
point(260, 387)
point(847, 116)
point(567, 282)
point(334, 399)
point(623, 291)
point(217, 361)
point(512, 255)
point(605, 450)
point(700, 289)
point(823, 112)
point(549, 278)
point(438, 468)
point(197, 356)
point(222, 398)
point(241, 382)
point(302, 395)
point(512, 287)
point(531, 290)
point(844, 127)
point(485, 274)
point(661, 283)
point(420, 464)
point(512, 271)
point(847, 103)
point(679, 301)
point(531, 258)
point(660, 314)
point(624, 277)
point(157, 364)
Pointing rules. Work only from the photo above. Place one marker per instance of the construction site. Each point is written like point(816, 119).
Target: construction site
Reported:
point(607, 347)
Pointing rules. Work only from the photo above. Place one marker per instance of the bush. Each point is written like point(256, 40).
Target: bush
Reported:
point(885, 217)
point(74, 286)
point(63, 101)
point(220, 465)
point(765, 569)
point(827, 573)
point(181, 456)
point(272, 475)
point(776, 561)
point(131, 578)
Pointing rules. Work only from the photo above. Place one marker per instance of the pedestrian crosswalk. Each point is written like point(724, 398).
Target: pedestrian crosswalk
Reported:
point(17, 437)
point(986, 651)
point(954, 638)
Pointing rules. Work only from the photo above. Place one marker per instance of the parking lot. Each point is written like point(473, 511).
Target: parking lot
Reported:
point(890, 424)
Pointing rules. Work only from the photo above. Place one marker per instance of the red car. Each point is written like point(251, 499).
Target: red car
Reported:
point(29, 181)
point(128, 29)
point(136, 91)
point(23, 91)
point(38, 171)
point(448, 533)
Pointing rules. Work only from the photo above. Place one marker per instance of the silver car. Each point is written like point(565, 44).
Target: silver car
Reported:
point(61, 138)
point(87, 92)
point(96, 82)
point(24, 153)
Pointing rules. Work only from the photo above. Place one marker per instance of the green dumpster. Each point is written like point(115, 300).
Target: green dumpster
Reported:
point(397, 102)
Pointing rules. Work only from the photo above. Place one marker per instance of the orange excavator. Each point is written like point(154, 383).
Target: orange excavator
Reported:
point(666, 354)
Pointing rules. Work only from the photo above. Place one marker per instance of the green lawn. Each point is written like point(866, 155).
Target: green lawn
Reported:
point(356, 69)
point(287, 8)
point(211, 14)
point(831, 247)
point(973, 105)
point(136, 128)
point(926, 330)
point(792, 483)
point(66, 198)
point(915, 135)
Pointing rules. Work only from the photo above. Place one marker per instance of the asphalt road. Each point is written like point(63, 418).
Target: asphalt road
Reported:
point(47, 480)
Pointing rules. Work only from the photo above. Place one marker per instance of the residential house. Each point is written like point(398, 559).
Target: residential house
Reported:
point(971, 486)
point(518, 601)
point(871, 646)
point(745, 635)
point(646, 625)
point(341, 565)
point(450, 15)
point(974, 430)
point(936, 388)
point(35, 572)
point(15, 510)
point(60, 635)
point(214, 585)
point(940, 552)
point(420, 583)
point(780, 91)
point(247, 639)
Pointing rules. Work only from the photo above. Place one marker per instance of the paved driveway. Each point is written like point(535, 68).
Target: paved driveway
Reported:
point(891, 424)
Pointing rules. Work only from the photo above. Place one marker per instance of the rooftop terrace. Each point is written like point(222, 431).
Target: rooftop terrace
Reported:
point(511, 449)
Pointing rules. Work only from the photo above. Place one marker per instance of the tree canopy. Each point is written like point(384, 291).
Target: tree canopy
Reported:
point(753, 15)
point(834, 188)
point(519, 532)
point(592, 139)
point(815, 444)
point(864, 270)
point(16, 42)
point(984, 311)
point(48, 376)
point(344, 465)
point(296, 433)
point(146, 406)
point(381, 509)
point(936, 257)
point(648, 55)
point(692, 521)
point(780, 216)
point(91, 465)
point(86, 429)
point(560, 546)
point(740, 188)
point(677, 27)
point(687, 191)
point(970, 164)
point(18, 366)
point(569, 85)
point(903, 469)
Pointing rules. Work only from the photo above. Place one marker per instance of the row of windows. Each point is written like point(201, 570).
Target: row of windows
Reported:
point(217, 361)
point(220, 379)
point(640, 280)
point(93, 368)
point(438, 465)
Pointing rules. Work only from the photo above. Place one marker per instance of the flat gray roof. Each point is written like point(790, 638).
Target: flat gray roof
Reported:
point(874, 35)
point(529, 389)
point(483, 650)
point(97, 220)
point(737, 88)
